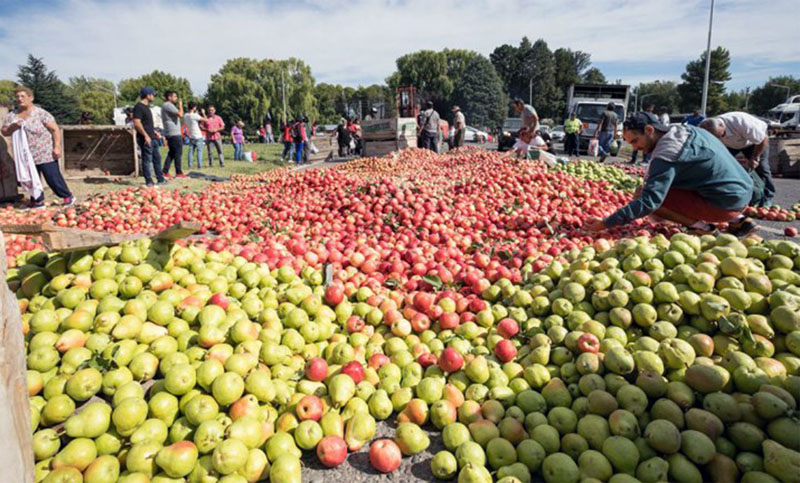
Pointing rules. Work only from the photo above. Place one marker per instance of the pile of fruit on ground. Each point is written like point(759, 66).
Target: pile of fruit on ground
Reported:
point(464, 297)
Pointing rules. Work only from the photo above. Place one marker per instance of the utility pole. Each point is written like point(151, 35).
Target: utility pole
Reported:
point(530, 91)
point(283, 90)
point(708, 61)
point(746, 98)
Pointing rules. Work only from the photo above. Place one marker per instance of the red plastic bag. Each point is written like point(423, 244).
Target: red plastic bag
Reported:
point(594, 147)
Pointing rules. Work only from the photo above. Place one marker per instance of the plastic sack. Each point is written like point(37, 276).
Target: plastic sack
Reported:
point(249, 156)
point(312, 148)
point(613, 148)
point(594, 147)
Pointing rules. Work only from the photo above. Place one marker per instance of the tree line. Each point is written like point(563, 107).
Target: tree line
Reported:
point(253, 90)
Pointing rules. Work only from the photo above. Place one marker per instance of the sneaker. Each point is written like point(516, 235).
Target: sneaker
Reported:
point(162, 183)
point(167, 176)
point(36, 205)
point(69, 201)
point(149, 185)
point(742, 228)
point(181, 176)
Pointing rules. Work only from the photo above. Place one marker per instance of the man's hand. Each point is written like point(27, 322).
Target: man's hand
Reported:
point(595, 224)
point(753, 163)
point(158, 135)
point(147, 140)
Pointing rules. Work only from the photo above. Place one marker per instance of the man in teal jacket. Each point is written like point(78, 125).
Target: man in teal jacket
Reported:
point(692, 179)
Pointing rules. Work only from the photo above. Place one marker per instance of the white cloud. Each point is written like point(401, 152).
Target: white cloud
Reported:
point(357, 41)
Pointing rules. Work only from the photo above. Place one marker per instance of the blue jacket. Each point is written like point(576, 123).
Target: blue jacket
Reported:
point(690, 158)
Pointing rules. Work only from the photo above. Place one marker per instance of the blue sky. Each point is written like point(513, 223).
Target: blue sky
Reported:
point(356, 41)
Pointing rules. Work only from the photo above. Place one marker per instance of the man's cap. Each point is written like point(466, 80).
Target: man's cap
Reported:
point(146, 91)
point(374, 109)
point(641, 119)
point(456, 108)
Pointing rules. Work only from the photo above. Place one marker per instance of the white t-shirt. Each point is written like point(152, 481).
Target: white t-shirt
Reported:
point(664, 118)
point(742, 129)
point(523, 147)
point(192, 121)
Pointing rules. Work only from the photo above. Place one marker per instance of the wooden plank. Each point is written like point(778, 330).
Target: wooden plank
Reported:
point(28, 229)
point(178, 231)
point(16, 446)
point(8, 171)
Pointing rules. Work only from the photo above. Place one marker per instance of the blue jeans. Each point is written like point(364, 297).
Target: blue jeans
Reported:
point(604, 141)
point(287, 150)
point(52, 175)
point(298, 151)
point(238, 151)
point(151, 161)
point(196, 147)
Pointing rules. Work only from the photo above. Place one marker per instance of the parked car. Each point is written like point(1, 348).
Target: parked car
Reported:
point(508, 133)
point(473, 135)
point(558, 134)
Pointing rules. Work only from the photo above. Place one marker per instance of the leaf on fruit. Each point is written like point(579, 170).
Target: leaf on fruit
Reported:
point(433, 280)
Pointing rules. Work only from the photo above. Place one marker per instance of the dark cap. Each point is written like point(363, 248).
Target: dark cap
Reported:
point(641, 119)
point(146, 91)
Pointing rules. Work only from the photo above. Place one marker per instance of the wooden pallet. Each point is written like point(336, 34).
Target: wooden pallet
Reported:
point(59, 239)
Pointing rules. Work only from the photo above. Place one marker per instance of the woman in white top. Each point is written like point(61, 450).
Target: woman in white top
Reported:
point(527, 140)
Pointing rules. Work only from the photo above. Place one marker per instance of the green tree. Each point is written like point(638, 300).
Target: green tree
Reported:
point(691, 89)
point(479, 92)
point(160, 81)
point(570, 66)
point(594, 76)
point(546, 96)
point(427, 71)
point(95, 96)
point(248, 89)
point(658, 93)
point(7, 96)
point(767, 96)
point(48, 90)
point(505, 62)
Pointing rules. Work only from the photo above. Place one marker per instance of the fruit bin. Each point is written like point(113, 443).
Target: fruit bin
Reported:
point(98, 151)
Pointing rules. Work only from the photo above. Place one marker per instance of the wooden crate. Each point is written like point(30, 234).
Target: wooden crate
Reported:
point(379, 148)
point(326, 146)
point(8, 172)
point(98, 150)
point(784, 157)
point(16, 446)
point(385, 129)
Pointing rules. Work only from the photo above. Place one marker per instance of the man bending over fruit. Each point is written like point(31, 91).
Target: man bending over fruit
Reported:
point(692, 179)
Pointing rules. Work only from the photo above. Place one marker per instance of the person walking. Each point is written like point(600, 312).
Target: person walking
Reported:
point(692, 180)
point(268, 129)
point(572, 129)
point(237, 138)
point(286, 138)
point(428, 129)
point(745, 134)
point(36, 138)
point(147, 138)
point(214, 126)
point(459, 127)
point(299, 138)
point(170, 118)
point(342, 135)
point(606, 130)
point(192, 122)
point(530, 118)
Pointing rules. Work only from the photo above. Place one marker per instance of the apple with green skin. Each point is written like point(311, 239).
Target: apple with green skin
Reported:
point(384, 455)
point(178, 459)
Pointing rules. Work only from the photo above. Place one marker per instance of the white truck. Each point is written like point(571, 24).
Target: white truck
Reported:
point(785, 118)
point(588, 101)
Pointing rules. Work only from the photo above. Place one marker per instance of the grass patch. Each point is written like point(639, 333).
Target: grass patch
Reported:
point(268, 158)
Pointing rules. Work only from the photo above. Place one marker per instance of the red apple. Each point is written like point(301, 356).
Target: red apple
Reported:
point(588, 342)
point(332, 451)
point(508, 328)
point(334, 295)
point(219, 299)
point(790, 231)
point(355, 324)
point(450, 360)
point(449, 321)
point(427, 359)
point(505, 351)
point(355, 370)
point(310, 407)
point(376, 361)
point(385, 455)
point(317, 369)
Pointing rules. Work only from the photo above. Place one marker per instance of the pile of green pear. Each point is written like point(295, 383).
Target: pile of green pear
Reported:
point(617, 178)
point(138, 371)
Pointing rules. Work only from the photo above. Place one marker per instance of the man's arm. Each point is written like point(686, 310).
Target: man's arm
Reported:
point(757, 150)
point(137, 124)
point(180, 107)
point(651, 198)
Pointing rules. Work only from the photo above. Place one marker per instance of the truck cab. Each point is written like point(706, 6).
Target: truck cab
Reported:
point(785, 118)
point(588, 101)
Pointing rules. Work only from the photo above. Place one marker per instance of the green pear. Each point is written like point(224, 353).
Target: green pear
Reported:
point(178, 459)
point(92, 422)
point(78, 453)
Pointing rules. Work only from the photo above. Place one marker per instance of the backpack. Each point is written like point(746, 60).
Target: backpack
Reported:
point(297, 131)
